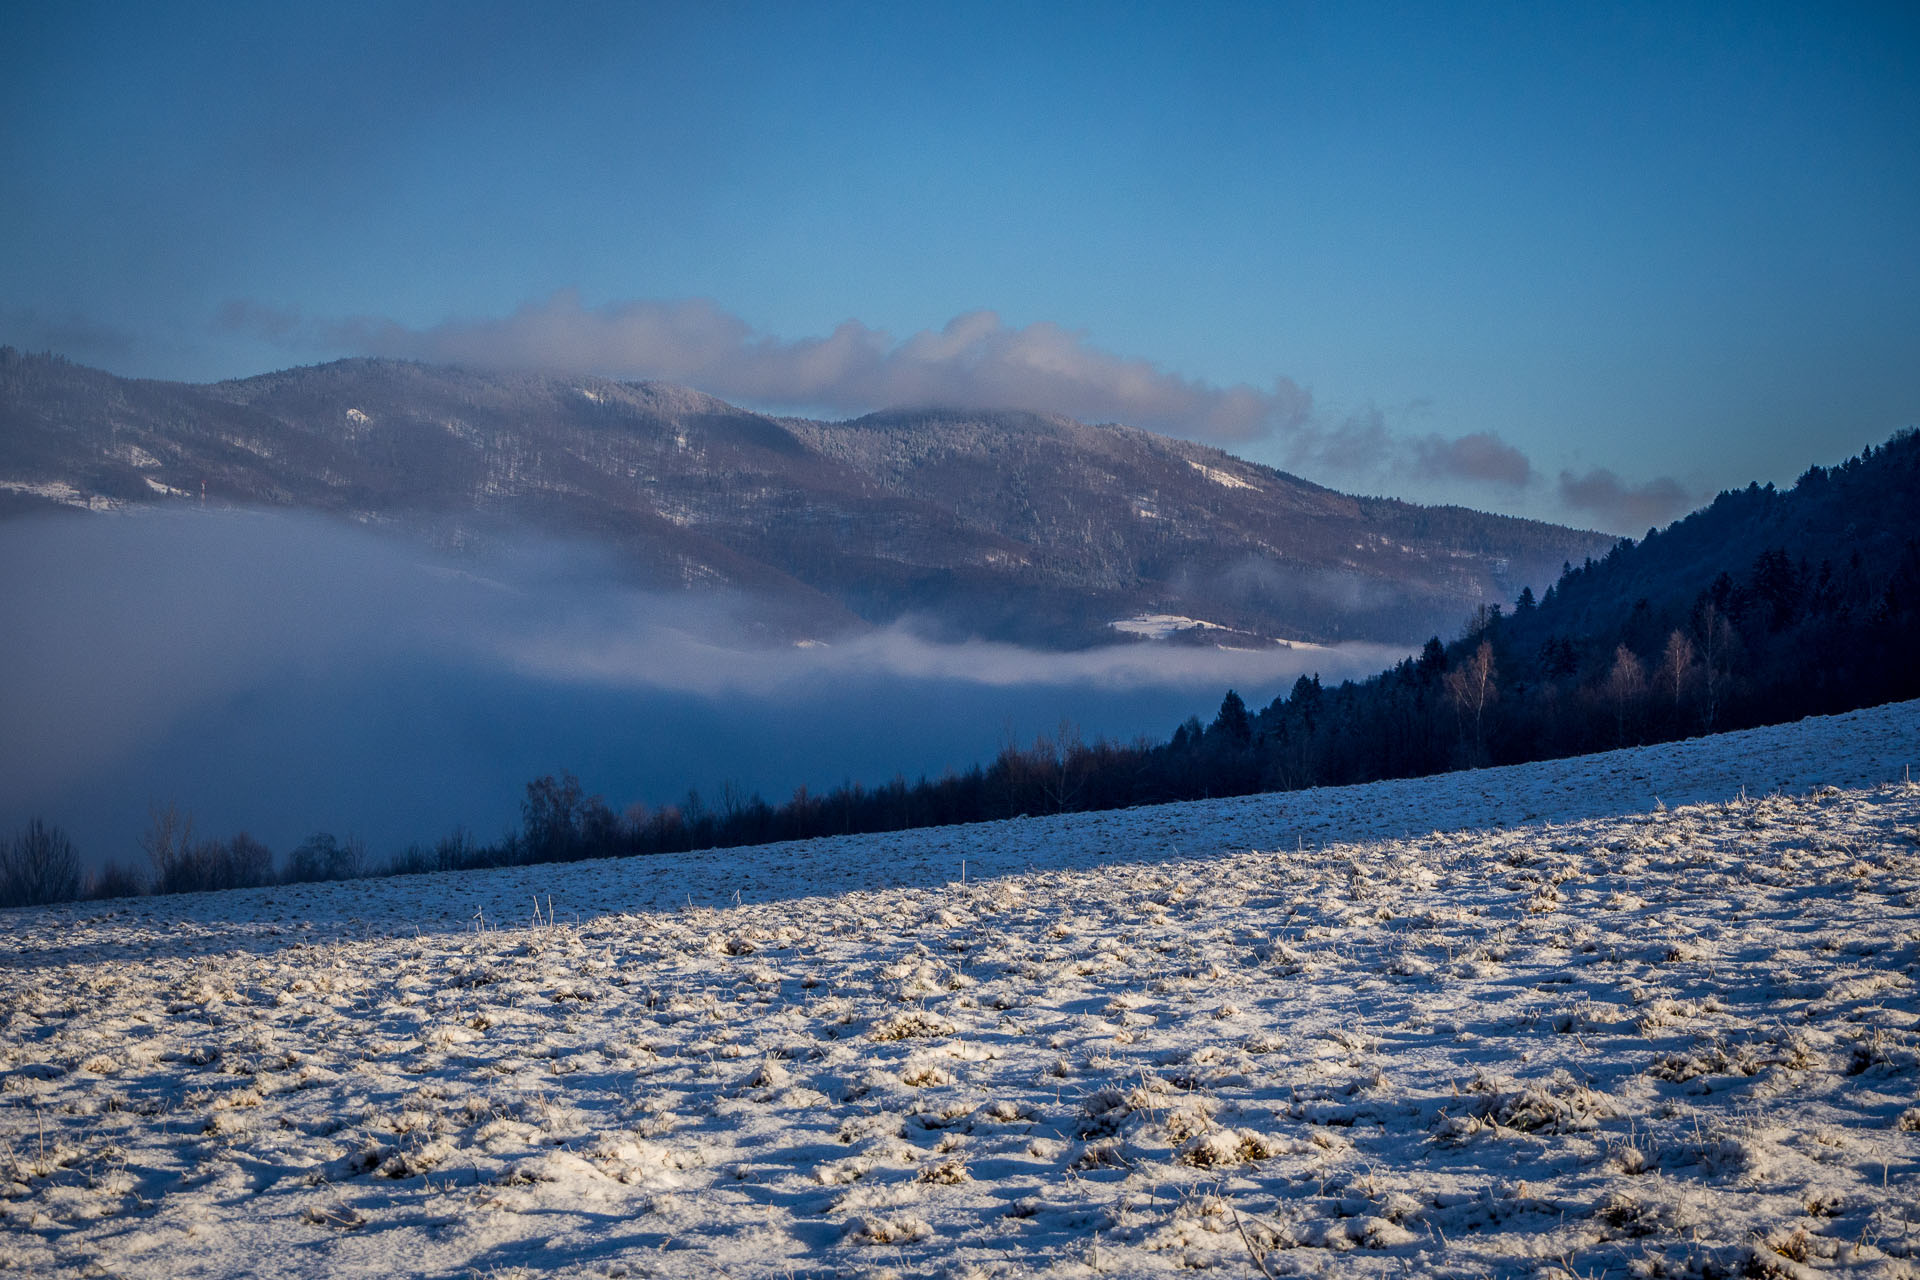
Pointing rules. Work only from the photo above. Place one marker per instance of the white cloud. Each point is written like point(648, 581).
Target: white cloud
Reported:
point(1621, 506)
point(976, 360)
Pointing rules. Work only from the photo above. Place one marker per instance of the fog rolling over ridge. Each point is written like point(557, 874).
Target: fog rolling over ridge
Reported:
point(286, 673)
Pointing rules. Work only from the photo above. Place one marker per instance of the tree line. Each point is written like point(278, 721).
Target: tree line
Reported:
point(1762, 608)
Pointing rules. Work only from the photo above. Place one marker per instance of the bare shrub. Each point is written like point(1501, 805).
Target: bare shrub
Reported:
point(38, 866)
point(168, 842)
point(321, 857)
point(182, 864)
point(116, 880)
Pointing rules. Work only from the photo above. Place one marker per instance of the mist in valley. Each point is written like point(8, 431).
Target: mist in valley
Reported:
point(285, 674)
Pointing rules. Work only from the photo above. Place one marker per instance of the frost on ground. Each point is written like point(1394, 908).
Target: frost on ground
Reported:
point(1682, 1040)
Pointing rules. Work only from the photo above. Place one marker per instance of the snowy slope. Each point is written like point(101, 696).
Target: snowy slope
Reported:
point(1513, 1022)
point(1861, 748)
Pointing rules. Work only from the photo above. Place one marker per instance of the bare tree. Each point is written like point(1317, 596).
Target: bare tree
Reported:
point(246, 863)
point(1626, 686)
point(38, 866)
point(116, 881)
point(550, 817)
point(321, 857)
point(1676, 673)
point(1717, 642)
point(168, 844)
point(1471, 687)
point(456, 850)
point(1055, 765)
point(355, 860)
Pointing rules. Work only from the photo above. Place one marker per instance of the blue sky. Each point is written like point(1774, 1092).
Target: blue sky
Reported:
point(1588, 263)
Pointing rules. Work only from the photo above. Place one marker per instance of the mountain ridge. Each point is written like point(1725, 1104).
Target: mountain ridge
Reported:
point(997, 524)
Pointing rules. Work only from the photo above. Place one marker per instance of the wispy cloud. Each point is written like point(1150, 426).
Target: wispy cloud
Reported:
point(1480, 456)
point(1622, 506)
point(976, 360)
point(637, 651)
point(1361, 445)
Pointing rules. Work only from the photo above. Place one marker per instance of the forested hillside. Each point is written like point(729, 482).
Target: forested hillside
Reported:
point(1763, 607)
point(1023, 527)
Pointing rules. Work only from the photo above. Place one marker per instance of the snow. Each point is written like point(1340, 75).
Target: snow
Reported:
point(1224, 478)
point(1608, 1016)
point(63, 493)
point(1159, 626)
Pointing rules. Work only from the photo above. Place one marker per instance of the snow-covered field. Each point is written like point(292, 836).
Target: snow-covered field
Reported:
point(1597, 1017)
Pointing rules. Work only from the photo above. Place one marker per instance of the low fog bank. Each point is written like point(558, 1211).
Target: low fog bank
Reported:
point(285, 674)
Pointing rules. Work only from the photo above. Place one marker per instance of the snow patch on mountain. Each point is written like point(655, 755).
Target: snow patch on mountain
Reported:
point(1160, 626)
point(62, 493)
point(1223, 478)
